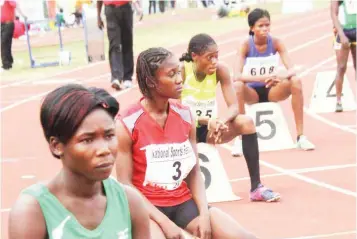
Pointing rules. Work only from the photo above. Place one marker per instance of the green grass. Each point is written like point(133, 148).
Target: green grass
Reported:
point(163, 34)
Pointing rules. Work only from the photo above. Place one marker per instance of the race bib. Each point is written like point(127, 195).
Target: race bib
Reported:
point(201, 107)
point(261, 66)
point(168, 164)
point(351, 6)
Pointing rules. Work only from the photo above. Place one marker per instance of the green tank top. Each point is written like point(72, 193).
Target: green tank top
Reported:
point(350, 11)
point(61, 223)
point(200, 96)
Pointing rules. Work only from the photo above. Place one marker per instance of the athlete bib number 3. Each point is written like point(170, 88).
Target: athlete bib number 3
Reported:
point(168, 164)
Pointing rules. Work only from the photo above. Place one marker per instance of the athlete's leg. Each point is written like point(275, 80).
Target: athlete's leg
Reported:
point(282, 91)
point(245, 95)
point(243, 125)
point(222, 226)
point(342, 58)
point(353, 53)
point(156, 231)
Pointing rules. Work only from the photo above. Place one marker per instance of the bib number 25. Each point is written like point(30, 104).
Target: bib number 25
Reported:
point(259, 122)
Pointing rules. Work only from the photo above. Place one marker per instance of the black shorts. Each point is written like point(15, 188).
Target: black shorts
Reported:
point(201, 134)
point(263, 93)
point(350, 34)
point(181, 214)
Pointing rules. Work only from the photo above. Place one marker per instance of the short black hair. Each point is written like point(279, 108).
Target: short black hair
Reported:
point(64, 109)
point(255, 15)
point(147, 64)
point(198, 44)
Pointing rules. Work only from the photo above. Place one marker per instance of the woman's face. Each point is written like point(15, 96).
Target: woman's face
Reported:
point(261, 27)
point(207, 62)
point(168, 78)
point(92, 150)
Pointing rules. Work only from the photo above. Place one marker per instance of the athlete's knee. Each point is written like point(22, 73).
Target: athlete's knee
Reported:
point(239, 86)
point(341, 68)
point(244, 124)
point(296, 84)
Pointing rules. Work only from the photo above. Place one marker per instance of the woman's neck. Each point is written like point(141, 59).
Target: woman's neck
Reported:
point(78, 186)
point(157, 105)
point(260, 40)
point(200, 75)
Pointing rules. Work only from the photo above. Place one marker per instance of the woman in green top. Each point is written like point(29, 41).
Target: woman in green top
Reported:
point(82, 200)
point(346, 36)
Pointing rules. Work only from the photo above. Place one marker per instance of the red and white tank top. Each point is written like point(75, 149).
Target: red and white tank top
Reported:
point(162, 157)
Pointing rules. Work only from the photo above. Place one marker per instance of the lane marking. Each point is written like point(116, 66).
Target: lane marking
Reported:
point(301, 177)
point(303, 170)
point(325, 235)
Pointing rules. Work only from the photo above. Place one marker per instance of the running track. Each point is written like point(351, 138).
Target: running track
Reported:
point(318, 201)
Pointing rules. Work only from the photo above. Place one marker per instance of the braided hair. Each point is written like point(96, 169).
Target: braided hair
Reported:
point(147, 64)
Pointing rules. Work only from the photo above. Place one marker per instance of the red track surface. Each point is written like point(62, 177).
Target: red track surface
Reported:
point(308, 208)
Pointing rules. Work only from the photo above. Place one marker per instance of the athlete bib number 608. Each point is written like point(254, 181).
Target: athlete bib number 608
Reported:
point(262, 71)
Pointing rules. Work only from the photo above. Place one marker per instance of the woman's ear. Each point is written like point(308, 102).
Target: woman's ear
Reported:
point(194, 56)
point(56, 147)
point(150, 83)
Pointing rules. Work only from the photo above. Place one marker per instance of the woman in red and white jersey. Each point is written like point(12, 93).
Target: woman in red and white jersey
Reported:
point(158, 156)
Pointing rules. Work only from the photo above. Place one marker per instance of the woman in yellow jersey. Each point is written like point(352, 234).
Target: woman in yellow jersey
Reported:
point(201, 73)
point(346, 36)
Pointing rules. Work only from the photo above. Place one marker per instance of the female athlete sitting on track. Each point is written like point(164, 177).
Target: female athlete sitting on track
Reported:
point(81, 201)
point(346, 36)
point(257, 78)
point(201, 73)
point(158, 156)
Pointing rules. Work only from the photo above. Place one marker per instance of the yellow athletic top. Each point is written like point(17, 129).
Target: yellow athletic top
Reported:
point(200, 96)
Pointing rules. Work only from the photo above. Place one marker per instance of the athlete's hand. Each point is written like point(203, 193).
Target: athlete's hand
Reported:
point(344, 41)
point(271, 81)
point(171, 231)
point(203, 228)
point(216, 127)
point(100, 23)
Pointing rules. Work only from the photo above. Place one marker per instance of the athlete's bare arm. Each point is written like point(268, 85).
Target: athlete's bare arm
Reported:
point(285, 58)
point(124, 170)
point(26, 219)
point(334, 8)
point(194, 179)
point(140, 219)
point(229, 94)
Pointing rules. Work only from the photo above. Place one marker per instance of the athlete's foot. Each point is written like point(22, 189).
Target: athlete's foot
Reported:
point(304, 144)
point(116, 84)
point(264, 194)
point(339, 107)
